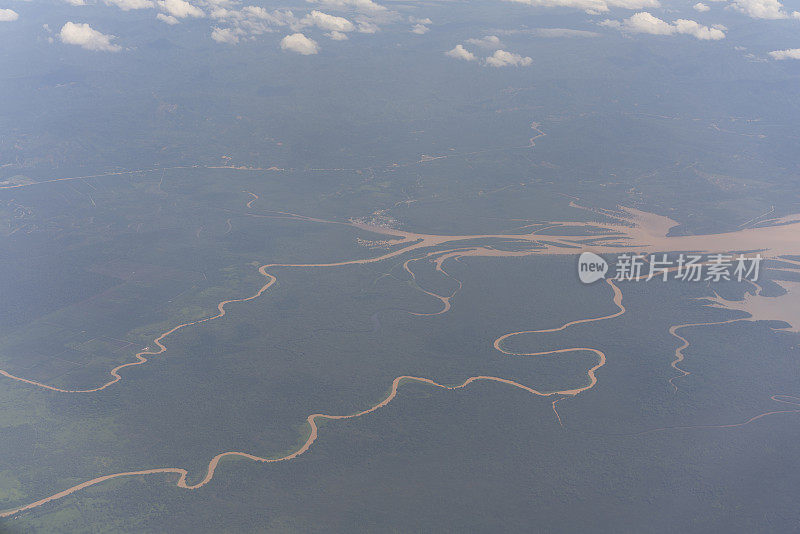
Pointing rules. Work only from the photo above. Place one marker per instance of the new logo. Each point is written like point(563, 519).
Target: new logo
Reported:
point(591, 267)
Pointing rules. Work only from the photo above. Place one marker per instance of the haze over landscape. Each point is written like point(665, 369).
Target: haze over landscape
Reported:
point(314, 266)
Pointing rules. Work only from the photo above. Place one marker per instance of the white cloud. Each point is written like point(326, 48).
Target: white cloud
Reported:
point(641, 23)
point(235, 22)
point(644, 22)
point(180, 9)
point(633, 4)
point(363, 6)
point(563, 32)
point(84, 36)
point(127, 5)
point(225, 35)
point(698, 31)
point(324, 21)
point(550, 32)
point(255, 15)
point(365, 26)
point(791, 53)
point(224, 13)
point(297, 42)
point(490, 41)
point(459, 52)
point(701, 7)
point(248, 21)
point(755, 59)
point(419, 29)
point(592, 6)
point(167, 19)
point(8, 15)
point(415, 20)
point(760, 9)
point(212, 4)
point(369, 13)
point(501, 58)
point(76, 2)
